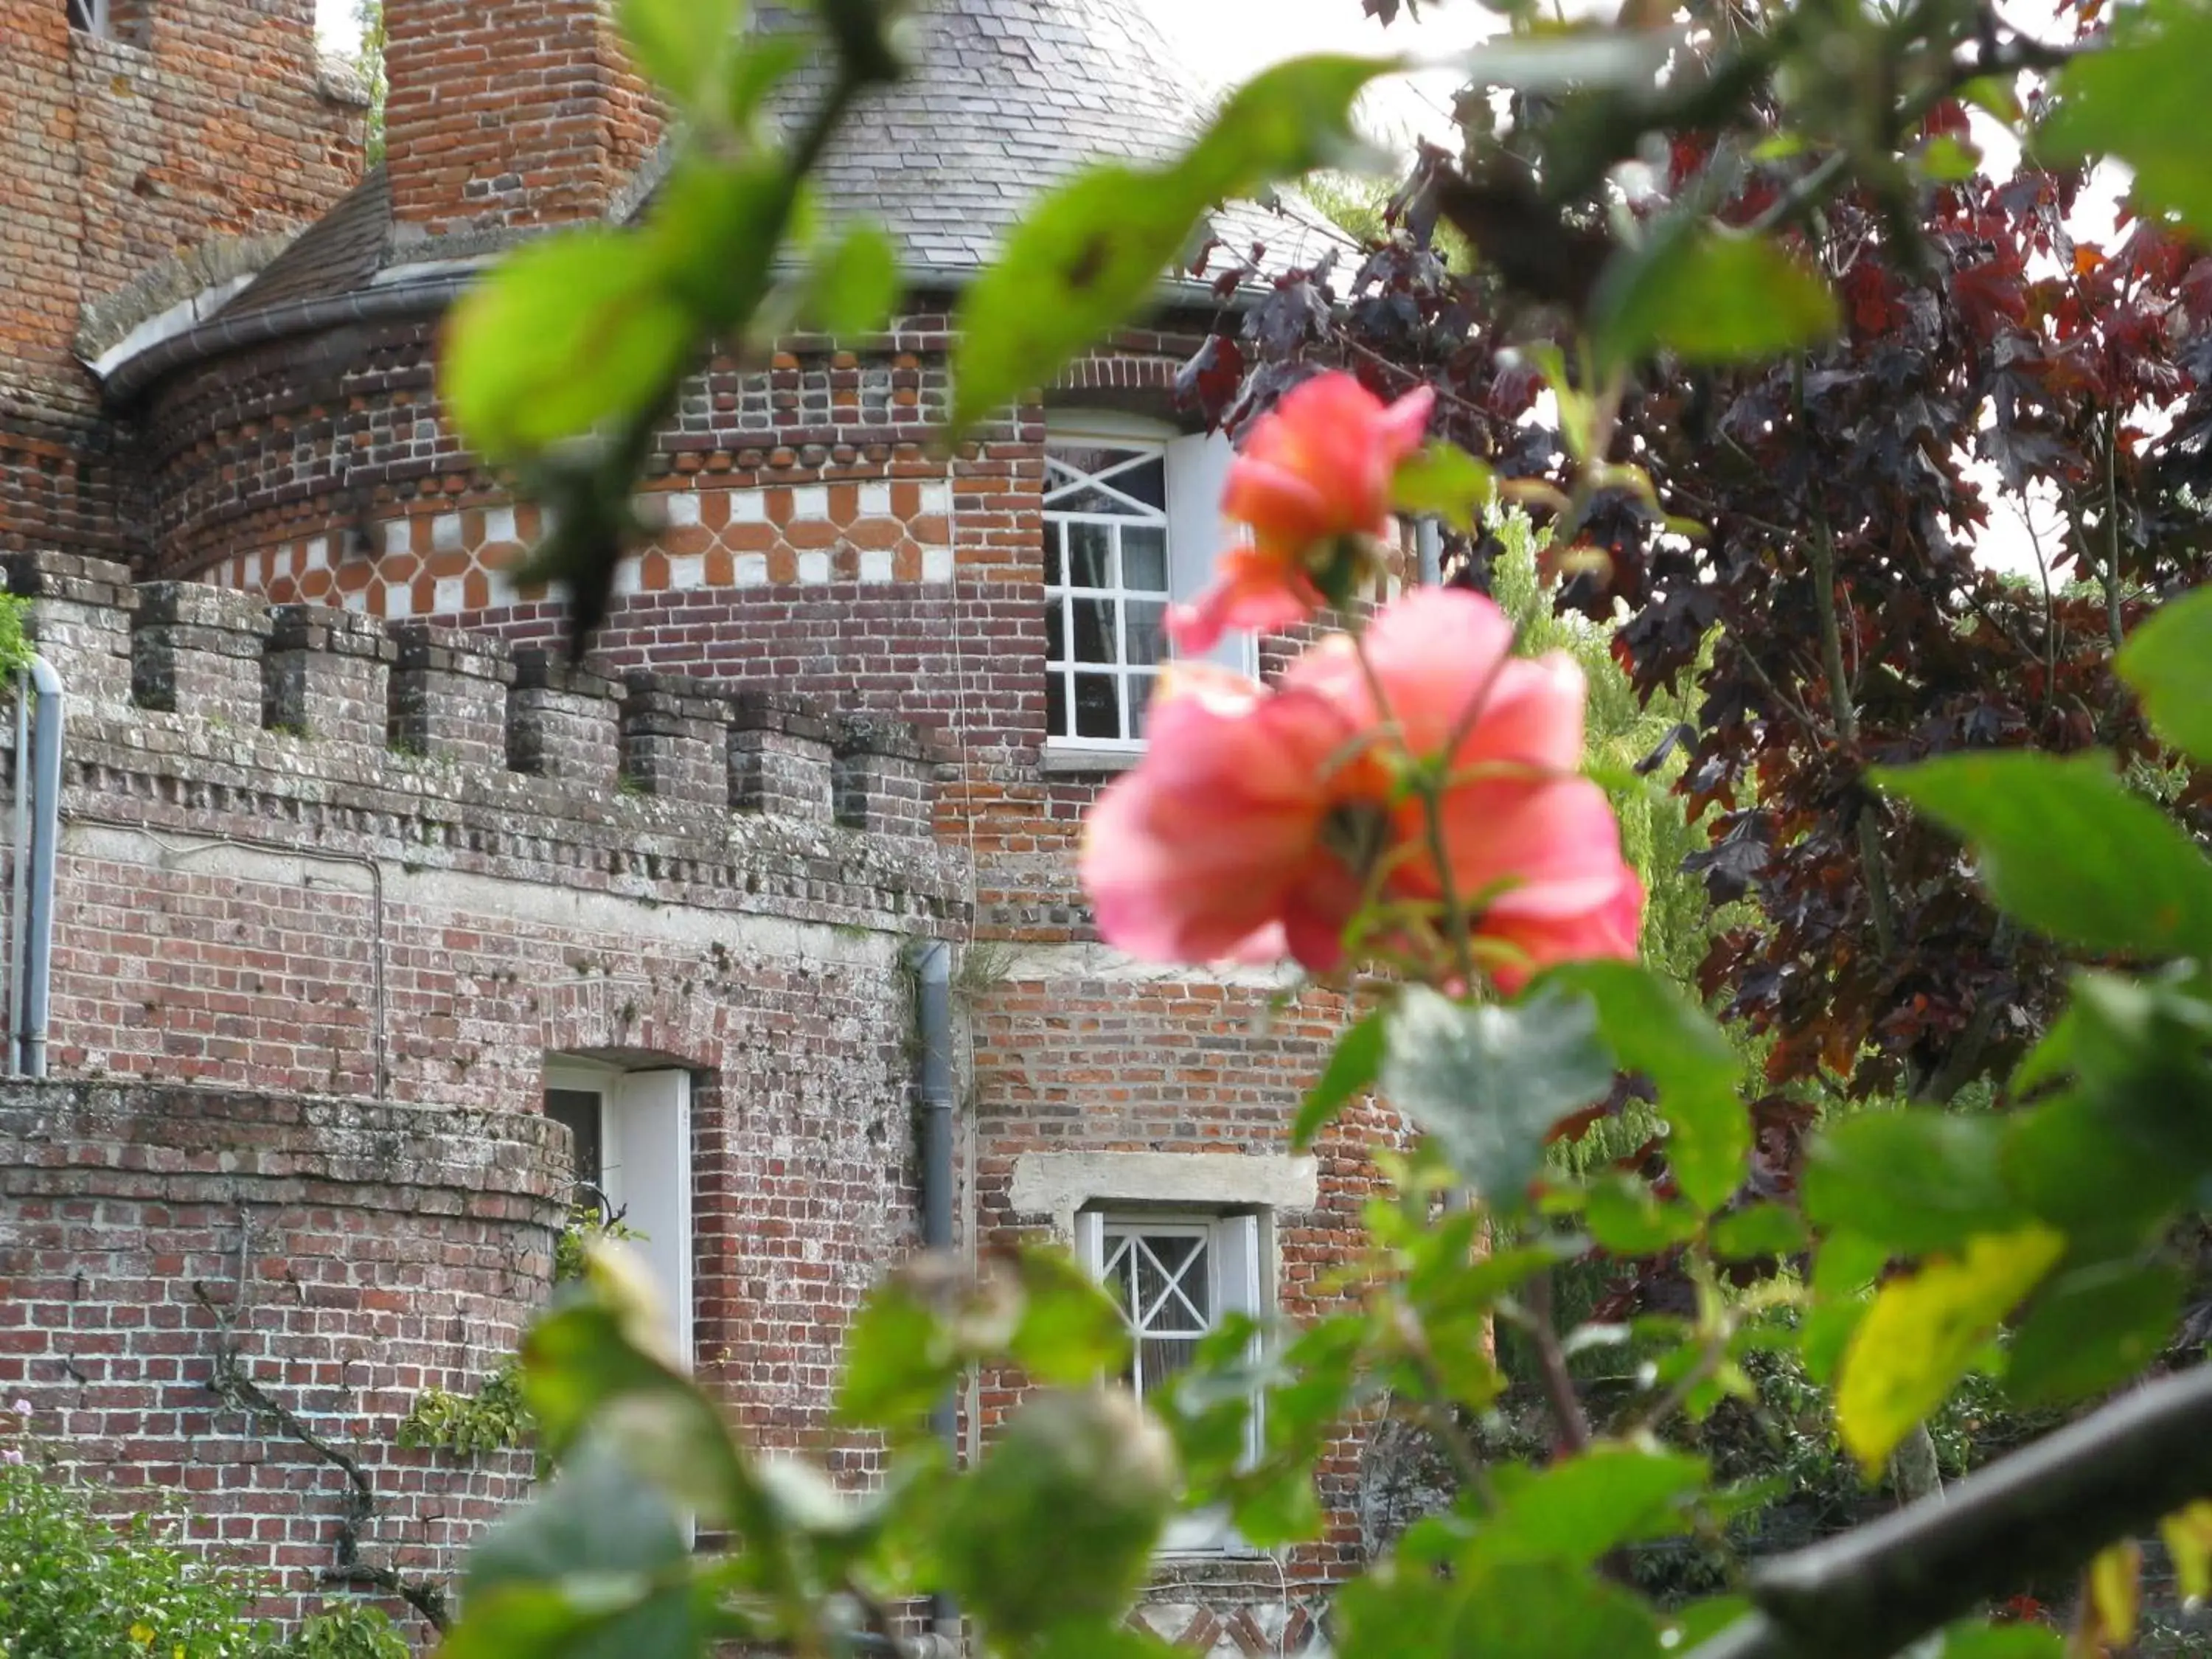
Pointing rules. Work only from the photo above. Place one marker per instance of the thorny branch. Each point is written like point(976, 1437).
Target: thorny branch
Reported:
point(2041, 1513)
point(231, 1382)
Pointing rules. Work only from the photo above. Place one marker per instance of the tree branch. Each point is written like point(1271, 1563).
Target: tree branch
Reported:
point(2041, 1513)
point(1552, 1360)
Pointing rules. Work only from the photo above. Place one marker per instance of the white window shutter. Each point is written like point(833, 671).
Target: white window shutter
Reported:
point(1198, 471)
point(647, 1141)
point(1091, 1241)
point(1237, 1240)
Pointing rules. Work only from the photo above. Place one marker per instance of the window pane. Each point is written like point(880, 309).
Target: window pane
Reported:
point(1160, 1357)
point(1146, 623)
point(1055, 556)
point(1055, 705)
point(1145, 558)
point(580, 1109)
point(1094, 630)
point(1097, 706)
point(1091, 499)
point(1090, 550)
point(1093, 459)
point(1147, 482)
point(1055, 632)
point(1140, 701)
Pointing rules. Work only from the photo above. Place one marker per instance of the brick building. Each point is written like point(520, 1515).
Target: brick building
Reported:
point(374, 924)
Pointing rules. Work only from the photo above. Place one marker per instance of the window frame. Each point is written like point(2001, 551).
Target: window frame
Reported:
point(1239, 1249)
point(93, 17)
point(1142, 448)
point(645, 1114)
point(1196, 468)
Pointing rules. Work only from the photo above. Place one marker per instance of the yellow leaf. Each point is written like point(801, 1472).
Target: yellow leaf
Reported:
point(2188, 1534)
point(1923, 1331)
point(2108, 1611)
point(142, 1634)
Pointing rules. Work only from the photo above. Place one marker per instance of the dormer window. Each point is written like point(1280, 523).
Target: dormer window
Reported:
point(1132, 524)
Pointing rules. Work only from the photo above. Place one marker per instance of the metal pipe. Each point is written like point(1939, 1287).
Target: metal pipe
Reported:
point(46, 841)
point(22, 874)
point(934, 1088)
point(1429, 545)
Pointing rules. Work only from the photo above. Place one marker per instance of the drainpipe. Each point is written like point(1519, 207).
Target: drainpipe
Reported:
point(38, 835)
point(1429, 545)
point(933, 969)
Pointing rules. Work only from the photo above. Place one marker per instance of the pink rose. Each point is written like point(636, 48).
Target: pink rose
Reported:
point(1260, 822)
point(1315, 475)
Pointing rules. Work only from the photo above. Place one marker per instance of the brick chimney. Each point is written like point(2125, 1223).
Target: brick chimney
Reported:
point(507, 113)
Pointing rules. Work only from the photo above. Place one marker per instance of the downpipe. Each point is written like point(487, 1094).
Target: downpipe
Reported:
point(39, 703)
point(933, 1092)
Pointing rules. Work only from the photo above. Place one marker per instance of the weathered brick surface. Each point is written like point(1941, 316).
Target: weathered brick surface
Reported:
point(115, 156)
point(509, 113)
point(345, 1253)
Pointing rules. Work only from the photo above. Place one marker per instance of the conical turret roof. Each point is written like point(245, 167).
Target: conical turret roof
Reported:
point(1007, 98)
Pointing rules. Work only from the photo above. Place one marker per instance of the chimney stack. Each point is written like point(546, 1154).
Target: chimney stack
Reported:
point(506, 113)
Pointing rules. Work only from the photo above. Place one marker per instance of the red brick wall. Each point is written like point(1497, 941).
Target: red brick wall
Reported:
point(345, 1256)
point(113, 157)
point(508, 112)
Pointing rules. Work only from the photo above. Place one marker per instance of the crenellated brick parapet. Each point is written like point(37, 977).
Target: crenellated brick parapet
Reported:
point(387, 734)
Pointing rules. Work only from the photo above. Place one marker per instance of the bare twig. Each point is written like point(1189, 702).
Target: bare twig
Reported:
point(1552, 1360)
point(2041, 1513)
point(234, 1386)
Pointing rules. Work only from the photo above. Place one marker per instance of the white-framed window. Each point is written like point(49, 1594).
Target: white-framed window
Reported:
point(93, 17)
point(632, 1135)
point(1132, 524)
point(1175, 1275)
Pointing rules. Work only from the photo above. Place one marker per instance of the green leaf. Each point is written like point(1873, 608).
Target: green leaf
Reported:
point(681, 44)
point(1709, 296)
point(898, 1360)
point(2113, 1159)
point(567, 333)
point(1924, 1331)
point(1488, 1082)
point(1947, 160)
point(594, 1516)
point(1913, 1181)
point(2169, 660)
point(1578, 1509)
point(1353, 1066)
point(1056, 1526)
point(855, 282)
point(1626, 1217)
point(1442, 480)
point(1543, 1610)
point(2141, 100)
point(2021, 1641)
point(1069, 1332)
point(590, 1568)
point(2064, 847)
point(1653, 1028)
point(1756, 1230)
point(1095, 251)
point(2091, 1330)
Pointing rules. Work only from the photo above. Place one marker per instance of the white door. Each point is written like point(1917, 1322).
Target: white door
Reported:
point(645, 1171)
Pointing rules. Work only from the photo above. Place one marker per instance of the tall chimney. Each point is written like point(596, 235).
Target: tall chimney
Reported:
point(507, 113)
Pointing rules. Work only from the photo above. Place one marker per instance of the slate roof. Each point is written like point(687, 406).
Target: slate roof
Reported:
point(338, 253)
point(1009, 97)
